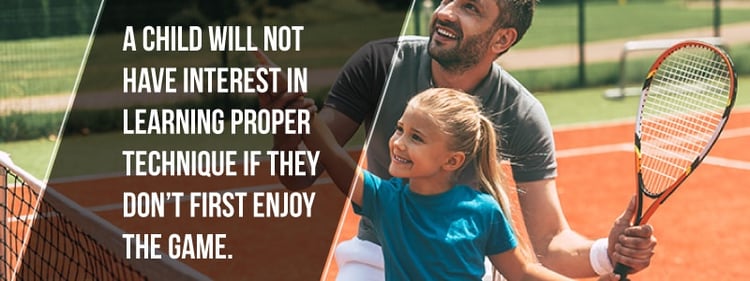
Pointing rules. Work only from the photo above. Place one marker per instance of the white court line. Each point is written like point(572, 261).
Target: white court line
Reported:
point(621, 122)
point(629, 147)
point(591, 150)
point(727, 163)
point(735, 133)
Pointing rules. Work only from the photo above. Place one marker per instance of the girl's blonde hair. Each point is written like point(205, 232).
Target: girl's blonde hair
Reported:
point(460, 116)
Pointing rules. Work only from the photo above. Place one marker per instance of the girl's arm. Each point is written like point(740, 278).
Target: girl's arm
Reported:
point(339, 165)
point(514, 266)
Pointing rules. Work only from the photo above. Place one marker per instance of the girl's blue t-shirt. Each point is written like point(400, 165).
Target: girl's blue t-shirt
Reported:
point(436, 237)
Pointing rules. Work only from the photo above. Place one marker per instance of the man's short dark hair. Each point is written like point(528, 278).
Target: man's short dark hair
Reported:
point(515, 14)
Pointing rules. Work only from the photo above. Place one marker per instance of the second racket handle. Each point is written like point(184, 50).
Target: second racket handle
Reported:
point(622, 270)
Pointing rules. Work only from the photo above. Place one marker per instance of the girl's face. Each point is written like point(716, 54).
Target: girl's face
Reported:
point(418, 147)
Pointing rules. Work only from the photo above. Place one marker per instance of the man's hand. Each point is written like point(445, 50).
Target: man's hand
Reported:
point(264, 61)
point(609, 277)
point(631, 245)
point(282, 100)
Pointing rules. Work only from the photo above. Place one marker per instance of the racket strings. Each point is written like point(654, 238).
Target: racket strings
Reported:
point(684, 106)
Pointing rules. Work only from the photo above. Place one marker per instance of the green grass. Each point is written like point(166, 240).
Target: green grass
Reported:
point(40, 66)
point(558, 24)
point(32, 155)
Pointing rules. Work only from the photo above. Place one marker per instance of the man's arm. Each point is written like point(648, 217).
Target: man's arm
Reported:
point(563, 250)
point(512, 264)
point(555, 244)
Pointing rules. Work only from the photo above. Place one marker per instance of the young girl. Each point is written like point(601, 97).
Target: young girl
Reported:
point(429, 227)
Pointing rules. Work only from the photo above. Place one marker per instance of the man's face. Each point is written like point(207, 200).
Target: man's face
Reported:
point(461, 32)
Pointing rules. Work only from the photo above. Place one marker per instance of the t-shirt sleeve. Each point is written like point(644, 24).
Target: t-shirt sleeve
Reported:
point(372, 185)
point(358, 87)
point(501, 236)
point(532, 146)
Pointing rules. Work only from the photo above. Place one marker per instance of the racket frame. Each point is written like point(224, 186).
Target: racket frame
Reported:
point(641, 217)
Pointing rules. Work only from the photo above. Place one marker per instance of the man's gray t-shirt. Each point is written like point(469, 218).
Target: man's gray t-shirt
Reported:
point(523, 128)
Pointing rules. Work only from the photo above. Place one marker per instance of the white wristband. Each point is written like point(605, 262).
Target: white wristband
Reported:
point(599, 258)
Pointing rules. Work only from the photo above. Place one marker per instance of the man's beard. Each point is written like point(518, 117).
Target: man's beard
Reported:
point(464, 55)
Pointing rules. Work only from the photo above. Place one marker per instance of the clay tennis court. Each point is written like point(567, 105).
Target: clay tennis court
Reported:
point(702, 231)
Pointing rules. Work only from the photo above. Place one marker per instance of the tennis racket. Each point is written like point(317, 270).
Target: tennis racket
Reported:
point(685, 103)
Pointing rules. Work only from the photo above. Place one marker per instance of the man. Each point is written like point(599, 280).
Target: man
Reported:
point(466, 37)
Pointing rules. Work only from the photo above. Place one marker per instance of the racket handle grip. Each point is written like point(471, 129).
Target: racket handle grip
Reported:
point(622, 270)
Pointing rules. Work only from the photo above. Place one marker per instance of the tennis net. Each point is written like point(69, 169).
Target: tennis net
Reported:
point(47, 236)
